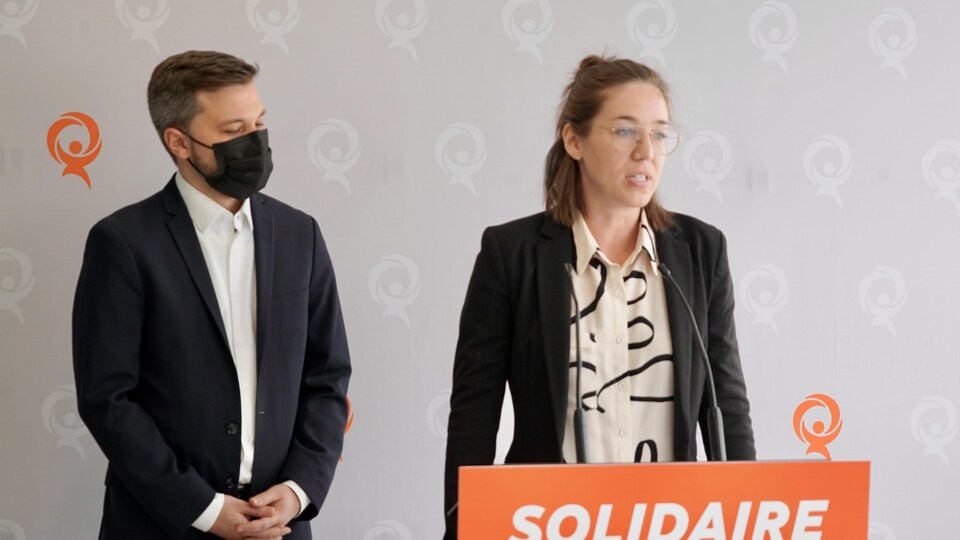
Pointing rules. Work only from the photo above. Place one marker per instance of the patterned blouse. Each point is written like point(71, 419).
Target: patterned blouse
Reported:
point(627, 377)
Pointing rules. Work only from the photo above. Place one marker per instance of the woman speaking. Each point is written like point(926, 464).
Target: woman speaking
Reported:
point(602, 240)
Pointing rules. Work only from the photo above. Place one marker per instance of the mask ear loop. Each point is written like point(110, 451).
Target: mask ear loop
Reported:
point(190, 161)
point(194, 140)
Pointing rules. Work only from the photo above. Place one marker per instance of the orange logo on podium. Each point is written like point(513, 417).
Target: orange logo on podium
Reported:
point(76, 157)
point(818, 435)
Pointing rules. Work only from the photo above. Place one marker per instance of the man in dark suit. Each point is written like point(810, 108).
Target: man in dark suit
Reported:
point(209, 348)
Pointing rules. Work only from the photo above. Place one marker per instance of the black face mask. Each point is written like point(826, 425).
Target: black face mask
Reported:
point(243, 164)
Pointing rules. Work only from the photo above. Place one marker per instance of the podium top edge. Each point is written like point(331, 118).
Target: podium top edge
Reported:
point(806, 462)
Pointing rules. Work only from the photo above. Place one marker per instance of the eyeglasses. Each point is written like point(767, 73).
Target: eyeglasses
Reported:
point(626, 137)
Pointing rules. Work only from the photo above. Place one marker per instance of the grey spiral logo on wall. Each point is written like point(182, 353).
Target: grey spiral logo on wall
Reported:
point(880, 531)
point(395, 297)
point(143, 21)
point(13, 17)
point(896, 45)
point(530, 33)
point(828, 163)
point(883, 293)
point(16, 280)
point(652, 25)
point(276, 24)
point(10, 530)
point(334, 148)
point(935, 424)
point(464, 163)
point(388, 529)
point(708, 158)
point(773, 29)
point(61, 419)
point(764, 291)
point(403, 28)
point(941, 170)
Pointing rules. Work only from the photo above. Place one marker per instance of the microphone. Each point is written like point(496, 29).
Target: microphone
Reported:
point(578, 430)
point(718, 443)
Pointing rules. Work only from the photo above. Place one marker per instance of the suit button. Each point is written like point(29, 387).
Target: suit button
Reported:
point(230, 482)
point(232, 428)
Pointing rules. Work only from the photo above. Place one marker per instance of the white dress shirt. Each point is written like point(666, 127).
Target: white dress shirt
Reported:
point(226, 240)
point(627, 376)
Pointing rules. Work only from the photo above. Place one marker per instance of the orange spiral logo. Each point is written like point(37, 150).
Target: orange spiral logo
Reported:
point(818, 435)
point(75, 157)
point(349, 422)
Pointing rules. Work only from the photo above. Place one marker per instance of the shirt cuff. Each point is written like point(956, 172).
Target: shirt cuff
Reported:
point(209, 516)
point(301, 494)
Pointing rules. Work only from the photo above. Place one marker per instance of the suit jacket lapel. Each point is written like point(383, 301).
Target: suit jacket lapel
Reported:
point(185, 236)
point(263, 246)
point(555, 309)
point(675, 254)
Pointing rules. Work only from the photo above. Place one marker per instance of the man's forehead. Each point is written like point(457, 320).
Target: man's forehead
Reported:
point(230, 102)
point(227, 94)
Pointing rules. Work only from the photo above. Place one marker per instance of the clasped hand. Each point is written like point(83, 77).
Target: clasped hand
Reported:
point(264, 517)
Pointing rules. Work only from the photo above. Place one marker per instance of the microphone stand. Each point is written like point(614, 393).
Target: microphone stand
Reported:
point(718, 445)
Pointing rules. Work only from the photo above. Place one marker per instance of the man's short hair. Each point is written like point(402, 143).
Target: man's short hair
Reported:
point(173, 87)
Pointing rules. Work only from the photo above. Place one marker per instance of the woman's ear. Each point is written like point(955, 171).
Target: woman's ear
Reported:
point(571, 141)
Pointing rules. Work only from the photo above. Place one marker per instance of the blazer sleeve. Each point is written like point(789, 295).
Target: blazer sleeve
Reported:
point(322, 409)
point(480, 371)
point(108, 314)
point(725, 362)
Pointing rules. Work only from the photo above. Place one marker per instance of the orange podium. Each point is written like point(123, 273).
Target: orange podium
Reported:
point(796, 500)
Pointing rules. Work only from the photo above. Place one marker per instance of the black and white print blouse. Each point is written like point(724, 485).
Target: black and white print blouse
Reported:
point(627, 377)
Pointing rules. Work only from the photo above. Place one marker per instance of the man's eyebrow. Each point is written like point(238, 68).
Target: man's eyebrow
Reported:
point(240, 120)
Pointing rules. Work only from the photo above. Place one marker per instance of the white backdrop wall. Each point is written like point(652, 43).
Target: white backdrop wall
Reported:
point(822, 137)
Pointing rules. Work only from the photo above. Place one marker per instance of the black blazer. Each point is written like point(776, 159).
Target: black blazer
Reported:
point(156, 383)
point(515, 329)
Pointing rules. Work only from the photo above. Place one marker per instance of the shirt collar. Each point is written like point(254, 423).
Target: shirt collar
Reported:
point(584, 242)
point(648, 241)
point(203, 210)
point(587, 246)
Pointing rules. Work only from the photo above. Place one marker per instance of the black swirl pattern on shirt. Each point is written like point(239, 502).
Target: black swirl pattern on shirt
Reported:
point(641, 334)
point(640, 328)
point(641, 320)
point(592, 306)
point(640, 276)
point(595, 394)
